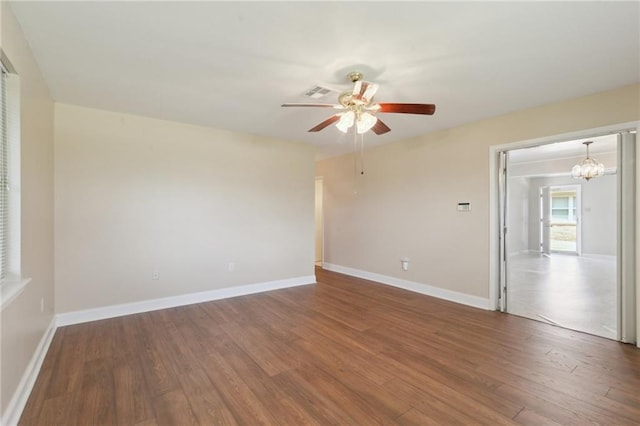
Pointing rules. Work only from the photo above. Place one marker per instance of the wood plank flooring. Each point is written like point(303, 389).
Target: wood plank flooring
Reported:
point(344, 351)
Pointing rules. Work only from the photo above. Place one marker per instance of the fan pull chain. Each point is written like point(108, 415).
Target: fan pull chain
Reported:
point(355, 154)
point(355, 158)
point(362, 153)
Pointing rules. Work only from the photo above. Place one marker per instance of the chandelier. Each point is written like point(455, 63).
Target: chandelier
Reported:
point(588, 168)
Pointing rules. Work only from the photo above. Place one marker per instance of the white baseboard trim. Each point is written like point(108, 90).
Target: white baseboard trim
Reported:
point(440, 293)
point(77, 317)
point(12, 414)
point(524, 252)
point(609, 257)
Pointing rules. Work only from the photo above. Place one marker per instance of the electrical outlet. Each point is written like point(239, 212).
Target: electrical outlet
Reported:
point(155, 275)
point(405, 264)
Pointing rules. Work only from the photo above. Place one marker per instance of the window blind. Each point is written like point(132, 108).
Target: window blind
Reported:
point(4, 175)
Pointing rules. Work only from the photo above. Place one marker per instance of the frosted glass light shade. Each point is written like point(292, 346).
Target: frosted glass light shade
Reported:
point(346, 121)
point(365, 122)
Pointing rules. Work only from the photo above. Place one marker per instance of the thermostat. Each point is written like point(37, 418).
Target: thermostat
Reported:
point(464, 207)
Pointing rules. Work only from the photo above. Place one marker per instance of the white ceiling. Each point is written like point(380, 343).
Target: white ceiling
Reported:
point(605, 144)
point(231, 64)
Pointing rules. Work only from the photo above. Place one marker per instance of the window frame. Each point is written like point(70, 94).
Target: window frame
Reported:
point(11, 283)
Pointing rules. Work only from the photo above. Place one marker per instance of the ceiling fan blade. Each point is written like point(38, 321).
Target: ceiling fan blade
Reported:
point(329, 121)
point(313, 105)
point(426, 109)
point(370, 92)
point(364, 90)
point(357, 88)
point(380, 128)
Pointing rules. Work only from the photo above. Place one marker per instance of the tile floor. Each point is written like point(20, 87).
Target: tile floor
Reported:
point(576, 292)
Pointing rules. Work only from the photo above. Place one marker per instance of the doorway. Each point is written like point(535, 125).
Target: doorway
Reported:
point(560, 222)
point(560, 255)
point(319, 222)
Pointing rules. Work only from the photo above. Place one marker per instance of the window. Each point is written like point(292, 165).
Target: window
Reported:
point(4, 177)
point(563, 207)
point(11, 282)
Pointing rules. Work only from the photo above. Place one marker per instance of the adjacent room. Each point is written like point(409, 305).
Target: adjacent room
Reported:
point(562, 251)
point(319, 213)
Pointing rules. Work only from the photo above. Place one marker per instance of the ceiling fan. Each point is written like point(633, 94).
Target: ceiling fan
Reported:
point(359, 108)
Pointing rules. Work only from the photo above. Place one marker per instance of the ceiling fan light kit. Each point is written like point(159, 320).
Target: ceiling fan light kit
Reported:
point(588, 168)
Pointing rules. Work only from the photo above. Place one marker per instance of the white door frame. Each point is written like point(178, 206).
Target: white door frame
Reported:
point(319, 221)
point(494, 213)
point(628, 288)
point(545, 220)
point(503, 158)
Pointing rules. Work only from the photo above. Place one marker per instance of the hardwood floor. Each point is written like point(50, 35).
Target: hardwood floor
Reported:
point(345, 351)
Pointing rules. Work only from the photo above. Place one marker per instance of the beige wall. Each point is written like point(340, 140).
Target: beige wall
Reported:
point(23, 324)
point(136, 195)
point(405, 204)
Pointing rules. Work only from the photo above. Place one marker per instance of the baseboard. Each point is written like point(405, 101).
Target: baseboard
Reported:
point(452, 296)
point(524, 252)
point(12, 414)
point(77, 317)
point(599, 256)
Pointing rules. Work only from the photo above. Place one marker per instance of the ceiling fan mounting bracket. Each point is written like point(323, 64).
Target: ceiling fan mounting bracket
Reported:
point(355, 76)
